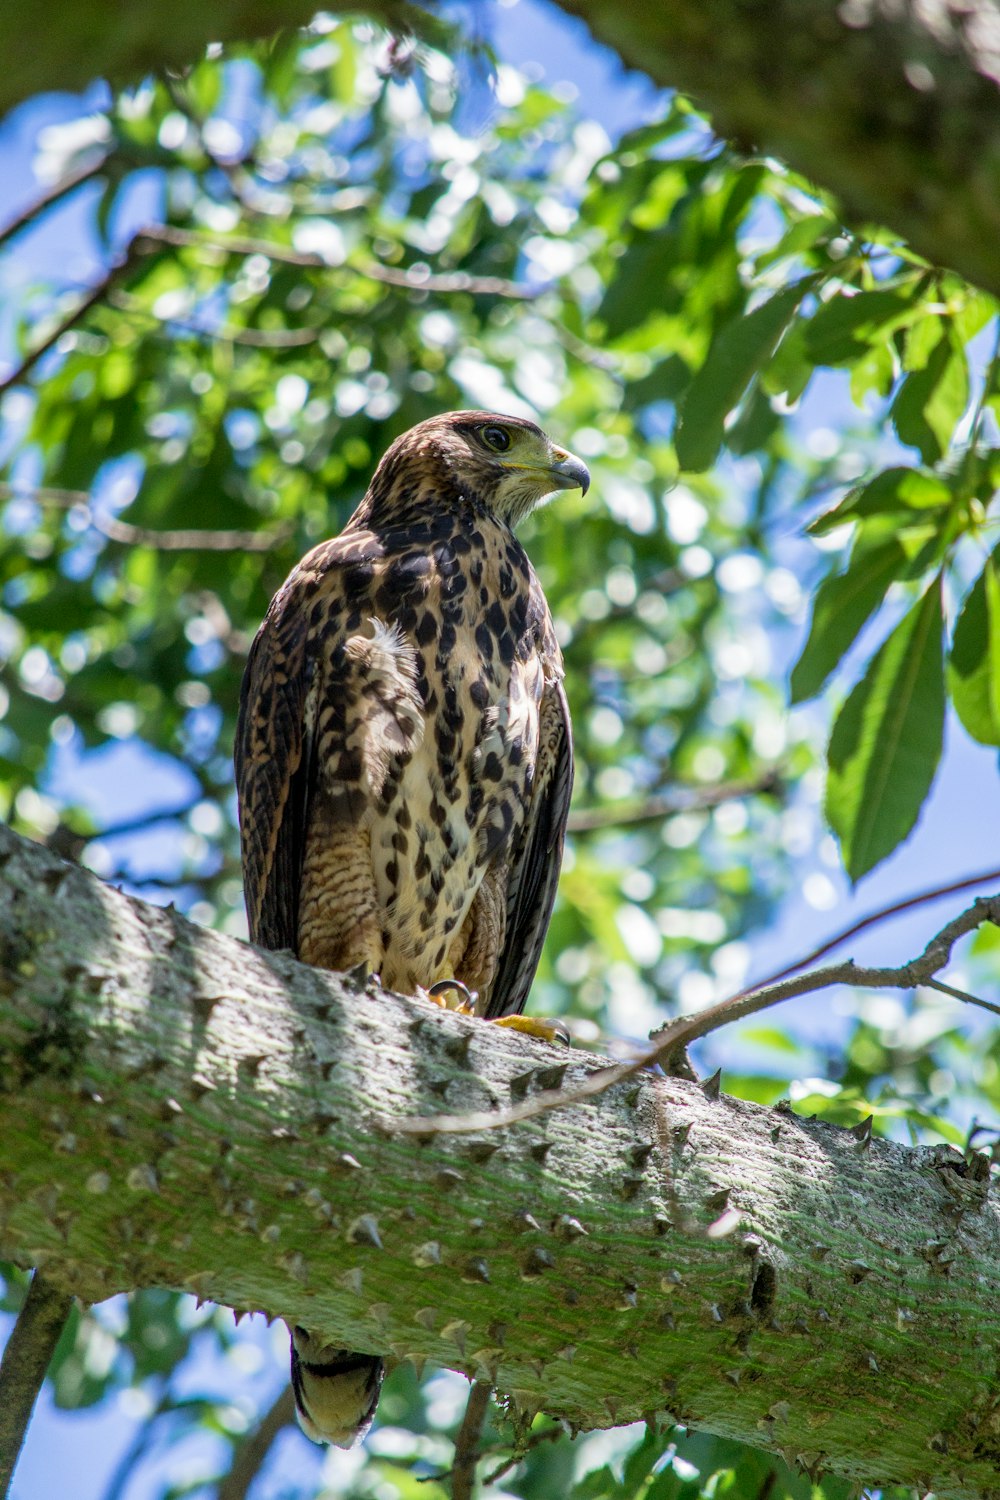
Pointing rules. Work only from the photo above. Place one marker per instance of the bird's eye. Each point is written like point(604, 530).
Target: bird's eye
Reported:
point(496, 438)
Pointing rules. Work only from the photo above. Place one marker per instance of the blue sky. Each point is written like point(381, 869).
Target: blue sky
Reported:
point(75, 1454)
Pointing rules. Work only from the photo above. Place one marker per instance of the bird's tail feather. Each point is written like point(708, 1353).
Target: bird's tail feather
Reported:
point(336, 1391)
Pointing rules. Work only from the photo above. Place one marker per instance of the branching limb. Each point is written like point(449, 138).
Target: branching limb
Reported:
point(249, 1458)
point(964, 995)
point(414, 279)
point(909, 903)
point(55, 194)
point(95, 295)
point(467, 1443)
point(693, 799)
point(673, 1038)
point(179, 540)
point(25, 1360)
point(222, 333)
point(534, 1440)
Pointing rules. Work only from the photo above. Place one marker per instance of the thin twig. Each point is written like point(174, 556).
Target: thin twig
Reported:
point(25, 1360)
point(237, 244)
point(957, 994)
point(547, 1435)
point(149, 239)
point(907, 904)
point(224, 333)
point(414, 280)
point(180, 540)
point(467, 1443)
point(671, 1039)
point(683, 800)
point(55, 194)
point(95, 295)
point(250, 1455)
point(234, 172)
point(69, 843)
point(587, 354)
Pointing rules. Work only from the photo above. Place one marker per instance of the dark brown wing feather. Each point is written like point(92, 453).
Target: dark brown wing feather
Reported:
point(274, 771)
point(535, 861)
point(276, 764)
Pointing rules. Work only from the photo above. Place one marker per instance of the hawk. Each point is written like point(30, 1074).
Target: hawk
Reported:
point(404, 761)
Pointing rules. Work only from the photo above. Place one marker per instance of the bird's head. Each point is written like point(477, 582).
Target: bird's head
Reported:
point(504, 463)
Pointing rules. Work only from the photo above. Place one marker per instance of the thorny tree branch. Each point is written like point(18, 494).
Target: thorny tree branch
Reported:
point(25, 1360)
point(180, 540)
point(673, 1038)
point(286, 1066)
point(248, 1460)
point(417, 278)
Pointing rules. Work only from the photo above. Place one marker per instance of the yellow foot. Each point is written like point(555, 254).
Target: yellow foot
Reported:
point(549, 1031)
point(451, 994)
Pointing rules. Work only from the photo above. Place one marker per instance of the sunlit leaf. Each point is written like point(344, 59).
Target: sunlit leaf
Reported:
point(893, 492)
point(843, 328)
point(844, 603)
point(733, 360)
point(886, 742)
point(931, 400)
point(974, 662)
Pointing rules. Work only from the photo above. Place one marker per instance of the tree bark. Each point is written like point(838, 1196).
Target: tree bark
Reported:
point(178, 1109)
point(83, 40)
point(891, 104)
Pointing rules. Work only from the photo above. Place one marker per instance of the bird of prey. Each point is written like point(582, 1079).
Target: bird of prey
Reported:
point(403, 758)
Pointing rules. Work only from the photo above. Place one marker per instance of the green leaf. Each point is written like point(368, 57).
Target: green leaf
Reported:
point(974, 665)
point(664, 382)
point(874, 371)
point(648, 262)
point(844, 603)
point(845, 327)
point(886, 742)
point(931, 401)
point(732, 361)
point(893, 492)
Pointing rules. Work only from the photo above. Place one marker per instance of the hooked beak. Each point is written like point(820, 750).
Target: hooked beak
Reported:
point(568, 472)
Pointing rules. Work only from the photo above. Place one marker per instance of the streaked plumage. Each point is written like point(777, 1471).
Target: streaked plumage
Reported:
point(403, 756)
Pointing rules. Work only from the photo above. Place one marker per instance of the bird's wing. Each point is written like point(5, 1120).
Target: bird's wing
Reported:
point(273, 769)
point(536, 858)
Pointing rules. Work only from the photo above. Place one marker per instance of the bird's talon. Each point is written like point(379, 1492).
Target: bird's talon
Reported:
point(465, 1005)
point(548, 1031)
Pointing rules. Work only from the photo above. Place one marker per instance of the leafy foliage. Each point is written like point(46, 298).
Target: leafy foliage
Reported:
point(360, 236)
